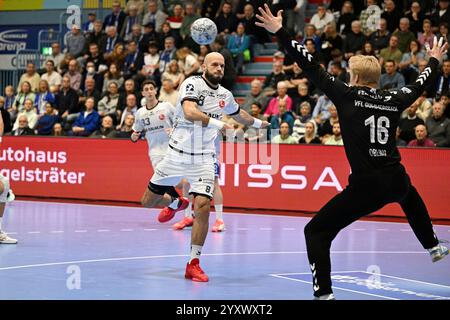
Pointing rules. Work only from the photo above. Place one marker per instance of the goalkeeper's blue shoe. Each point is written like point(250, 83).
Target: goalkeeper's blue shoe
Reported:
point(438, 252)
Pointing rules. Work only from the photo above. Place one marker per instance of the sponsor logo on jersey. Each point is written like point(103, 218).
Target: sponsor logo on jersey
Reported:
point(158, 127)
point(213, 115)
point(162, 117)
point(190, 87)
point(161, 173)
point(221, 104)
point(208, 93)
point(213, 94)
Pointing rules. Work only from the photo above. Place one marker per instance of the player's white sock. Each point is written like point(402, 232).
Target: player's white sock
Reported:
point(219, 211)
point(196, 251)
point(188, 211)
point(174, 204)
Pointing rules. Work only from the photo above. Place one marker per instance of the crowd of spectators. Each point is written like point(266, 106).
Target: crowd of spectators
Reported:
point(395, 33)
point(91, 86)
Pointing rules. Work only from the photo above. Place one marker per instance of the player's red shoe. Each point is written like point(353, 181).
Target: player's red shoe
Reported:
point(167, 213)
point(186, 222)
point(219, 226)
point(194, 272)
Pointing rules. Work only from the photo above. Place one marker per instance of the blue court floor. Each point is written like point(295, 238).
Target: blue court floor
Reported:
point(73, 251)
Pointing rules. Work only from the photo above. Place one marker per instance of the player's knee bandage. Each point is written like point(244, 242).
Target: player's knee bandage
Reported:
point(157, 189)
point(5, 182)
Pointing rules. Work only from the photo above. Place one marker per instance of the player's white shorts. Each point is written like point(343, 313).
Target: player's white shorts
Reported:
point(155, 159)
point(200, 176)
point(5, 183)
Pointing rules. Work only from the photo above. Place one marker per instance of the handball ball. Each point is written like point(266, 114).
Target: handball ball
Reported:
point(203, 31)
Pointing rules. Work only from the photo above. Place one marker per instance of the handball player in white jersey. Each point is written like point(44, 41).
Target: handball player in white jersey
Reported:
point(155, 119)
point(6, 195)
point(201, 104)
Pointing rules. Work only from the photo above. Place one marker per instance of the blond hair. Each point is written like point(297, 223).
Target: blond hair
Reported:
point(367, 68)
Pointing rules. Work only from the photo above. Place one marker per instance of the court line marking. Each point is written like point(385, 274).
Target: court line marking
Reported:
point(417, 281)
point(302, 273)
point(230, 213)
point(261, 229)
point(380, 274)
point(205, 254)
point(334, 287)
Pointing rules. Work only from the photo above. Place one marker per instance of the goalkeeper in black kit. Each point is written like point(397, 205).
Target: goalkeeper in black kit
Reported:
point(369, 118)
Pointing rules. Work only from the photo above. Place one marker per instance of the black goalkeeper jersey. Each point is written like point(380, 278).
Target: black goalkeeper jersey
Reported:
point(368, 117)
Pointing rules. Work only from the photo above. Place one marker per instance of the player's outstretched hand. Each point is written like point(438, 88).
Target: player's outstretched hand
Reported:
point(439, 48)
point(135, 136)
point(265, 124)
point(227, 128)
point(268, 20)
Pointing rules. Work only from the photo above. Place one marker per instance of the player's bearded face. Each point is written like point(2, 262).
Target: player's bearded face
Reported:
point(215, 77)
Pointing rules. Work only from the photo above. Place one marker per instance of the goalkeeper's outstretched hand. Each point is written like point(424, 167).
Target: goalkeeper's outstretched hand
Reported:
point(268, 20)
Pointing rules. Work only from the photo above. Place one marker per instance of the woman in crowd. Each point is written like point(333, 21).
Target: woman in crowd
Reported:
point(310, 136)
point(24, 94)
point(112, 75)
point(173, 73)
point(42, 97)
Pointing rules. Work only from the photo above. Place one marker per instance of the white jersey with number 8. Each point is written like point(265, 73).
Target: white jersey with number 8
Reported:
point(214, 102)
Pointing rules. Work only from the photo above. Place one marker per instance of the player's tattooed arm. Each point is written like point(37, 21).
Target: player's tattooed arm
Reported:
point(191, 113)
point(246, 119)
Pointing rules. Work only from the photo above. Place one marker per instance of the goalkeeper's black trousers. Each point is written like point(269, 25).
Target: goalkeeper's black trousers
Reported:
point(366, 193)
